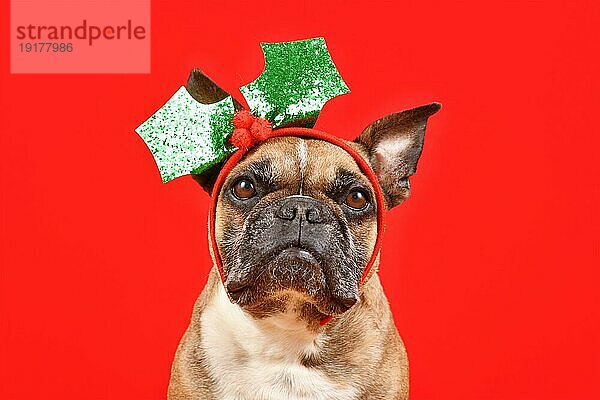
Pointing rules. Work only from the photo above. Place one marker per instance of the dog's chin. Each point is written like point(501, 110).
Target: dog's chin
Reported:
point(296, 284)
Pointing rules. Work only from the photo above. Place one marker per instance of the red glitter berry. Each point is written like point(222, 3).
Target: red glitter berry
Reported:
point(261, 129)
point(243, 119)
point(241, 138)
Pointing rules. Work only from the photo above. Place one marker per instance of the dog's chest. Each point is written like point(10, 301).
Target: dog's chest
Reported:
point(250, 360)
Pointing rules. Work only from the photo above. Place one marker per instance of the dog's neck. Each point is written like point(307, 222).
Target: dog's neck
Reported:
point(250, 358)
point(280, 336)
point(280, 357)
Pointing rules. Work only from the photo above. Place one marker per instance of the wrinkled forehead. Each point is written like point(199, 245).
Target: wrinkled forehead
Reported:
point(289, 159)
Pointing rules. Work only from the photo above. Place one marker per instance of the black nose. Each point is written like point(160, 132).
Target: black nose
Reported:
point(303, 208)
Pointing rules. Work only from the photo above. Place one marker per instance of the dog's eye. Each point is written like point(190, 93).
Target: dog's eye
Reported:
point(356, 199)
point(244, 189)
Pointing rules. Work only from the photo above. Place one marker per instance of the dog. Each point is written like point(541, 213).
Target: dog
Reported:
point(296, 224)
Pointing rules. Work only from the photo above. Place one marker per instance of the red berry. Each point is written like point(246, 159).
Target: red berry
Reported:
point(241, 138)
point(261, 129)
point(243, 119)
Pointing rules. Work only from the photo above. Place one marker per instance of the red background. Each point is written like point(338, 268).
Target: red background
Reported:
point(491, 267)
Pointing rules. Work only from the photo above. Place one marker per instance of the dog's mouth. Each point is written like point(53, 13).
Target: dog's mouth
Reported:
point(291, 275)
point(299, 257)
point(299, 253)
point(295, 258)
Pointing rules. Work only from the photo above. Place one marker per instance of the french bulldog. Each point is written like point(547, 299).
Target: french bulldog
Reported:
point(295, 225)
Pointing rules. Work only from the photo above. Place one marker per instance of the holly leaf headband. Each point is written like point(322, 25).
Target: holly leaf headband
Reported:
point(186, 136)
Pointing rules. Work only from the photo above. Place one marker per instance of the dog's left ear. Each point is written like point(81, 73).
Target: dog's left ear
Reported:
point(394, 144)
point(205, 91)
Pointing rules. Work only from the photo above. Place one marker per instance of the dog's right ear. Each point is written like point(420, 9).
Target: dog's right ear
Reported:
point(205, 91)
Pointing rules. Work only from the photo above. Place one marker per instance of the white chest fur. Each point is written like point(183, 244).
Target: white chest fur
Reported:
point(260, 360)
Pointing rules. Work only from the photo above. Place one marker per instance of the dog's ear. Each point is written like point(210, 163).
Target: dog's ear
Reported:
point(205, 91)
point(394, 144)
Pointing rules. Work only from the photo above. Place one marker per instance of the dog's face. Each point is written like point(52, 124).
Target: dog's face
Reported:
point(296, 223)
point(296, 219)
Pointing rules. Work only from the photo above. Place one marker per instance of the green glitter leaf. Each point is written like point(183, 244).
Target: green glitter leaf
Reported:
point(298, 79)
point(188, 137)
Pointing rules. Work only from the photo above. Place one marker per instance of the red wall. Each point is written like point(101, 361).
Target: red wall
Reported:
point(491, 267)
